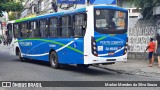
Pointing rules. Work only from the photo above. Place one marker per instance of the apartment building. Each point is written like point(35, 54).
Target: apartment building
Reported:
point(40, 7)
point(36, 7)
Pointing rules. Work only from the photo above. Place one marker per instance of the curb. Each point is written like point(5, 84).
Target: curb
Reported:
point(134, 72)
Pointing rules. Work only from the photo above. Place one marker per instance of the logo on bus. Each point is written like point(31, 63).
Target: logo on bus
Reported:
point(111, 42)
point(25, 43)
point(52, 45)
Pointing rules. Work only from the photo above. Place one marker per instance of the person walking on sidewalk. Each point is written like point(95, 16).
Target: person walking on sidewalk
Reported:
point(157, 48)
point(151, 50)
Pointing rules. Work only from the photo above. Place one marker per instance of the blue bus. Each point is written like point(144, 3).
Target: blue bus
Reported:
point(85, 36)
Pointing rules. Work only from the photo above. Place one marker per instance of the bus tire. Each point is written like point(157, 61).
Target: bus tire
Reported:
point(53, 59)
point(82, 66)
point(20, 57)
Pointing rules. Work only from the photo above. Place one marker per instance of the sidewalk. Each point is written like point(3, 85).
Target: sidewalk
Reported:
point(134, 67)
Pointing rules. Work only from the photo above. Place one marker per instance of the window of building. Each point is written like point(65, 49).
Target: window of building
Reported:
point(39, 6)
point(43, 28)
point(133, 16)
point(135, 10)
point(65, 26)
point(53, 27)
point(79, 25)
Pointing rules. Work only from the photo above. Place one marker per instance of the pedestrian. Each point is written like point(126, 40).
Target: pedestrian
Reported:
point(157, 48)
point(151, 50)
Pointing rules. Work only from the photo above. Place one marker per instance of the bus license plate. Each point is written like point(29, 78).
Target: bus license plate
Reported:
point(110, 53)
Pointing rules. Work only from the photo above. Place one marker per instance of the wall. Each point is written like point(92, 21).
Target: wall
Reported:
point(138, 38)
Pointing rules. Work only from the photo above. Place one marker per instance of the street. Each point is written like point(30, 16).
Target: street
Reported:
point(11, 69)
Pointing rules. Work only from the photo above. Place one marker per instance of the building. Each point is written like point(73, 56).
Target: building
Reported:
point(40, 7)
point(134, 14)
point(156, 13)
point(37, 7)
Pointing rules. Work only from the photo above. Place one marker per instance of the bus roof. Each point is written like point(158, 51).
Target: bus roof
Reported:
point(69, 12)
point(110, 7)
point(51, 15)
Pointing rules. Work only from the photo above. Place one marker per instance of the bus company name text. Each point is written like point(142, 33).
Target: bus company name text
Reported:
point(25, 43)
point(111, 42)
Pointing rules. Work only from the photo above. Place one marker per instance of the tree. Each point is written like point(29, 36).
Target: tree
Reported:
point(12, 16)
point(10, 5)
point(146, 7)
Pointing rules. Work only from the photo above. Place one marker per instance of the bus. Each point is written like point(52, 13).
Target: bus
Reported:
point(84, 36)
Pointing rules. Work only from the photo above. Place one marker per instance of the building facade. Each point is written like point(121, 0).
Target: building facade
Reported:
point(37, 7)
point(40, 7)
point(134, 14)
point(156, 13)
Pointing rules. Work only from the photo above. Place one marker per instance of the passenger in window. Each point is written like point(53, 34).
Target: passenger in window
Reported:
point(27, 33)
point(111, 24)
point(83, 30)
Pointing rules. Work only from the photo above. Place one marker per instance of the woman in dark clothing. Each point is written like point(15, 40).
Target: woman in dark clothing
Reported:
point(157, 48)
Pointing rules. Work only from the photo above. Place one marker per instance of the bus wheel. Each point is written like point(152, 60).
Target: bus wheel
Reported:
point(53, 59)
point(82, 66)
point(20, 57)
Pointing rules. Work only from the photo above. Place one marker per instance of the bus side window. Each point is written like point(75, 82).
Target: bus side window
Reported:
point(65, 26)
point(53, 27)
point(24, 30)
point(34, 32)
point(17, 32)
point(43, 28)
point(9, 34)
point(79, 25)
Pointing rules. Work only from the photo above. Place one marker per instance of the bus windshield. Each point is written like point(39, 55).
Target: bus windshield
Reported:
point(110, 21)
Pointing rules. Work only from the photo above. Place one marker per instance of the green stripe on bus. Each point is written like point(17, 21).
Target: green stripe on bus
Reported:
point(111, 34)
point(99, 39)
point(61, 44)
point(21, 20)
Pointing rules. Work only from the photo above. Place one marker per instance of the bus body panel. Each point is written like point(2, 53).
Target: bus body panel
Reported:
point(87, 37)
point(68, 50)
point(110, 45)
point(107, 44)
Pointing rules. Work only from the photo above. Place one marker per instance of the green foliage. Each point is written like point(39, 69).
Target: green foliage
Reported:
point(12, 16)
point(10, 5)
point(146, 7)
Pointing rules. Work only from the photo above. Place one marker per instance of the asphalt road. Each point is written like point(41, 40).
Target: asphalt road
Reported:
point(11, 69)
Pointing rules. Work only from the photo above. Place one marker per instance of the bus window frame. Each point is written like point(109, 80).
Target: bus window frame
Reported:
point(23, 30)
point(32, 29)
point(50, 29)
point(17, 31)
point(46, 28)
point(106, 31)
point(9, 35)
point(60, 26)
point(73, 26)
